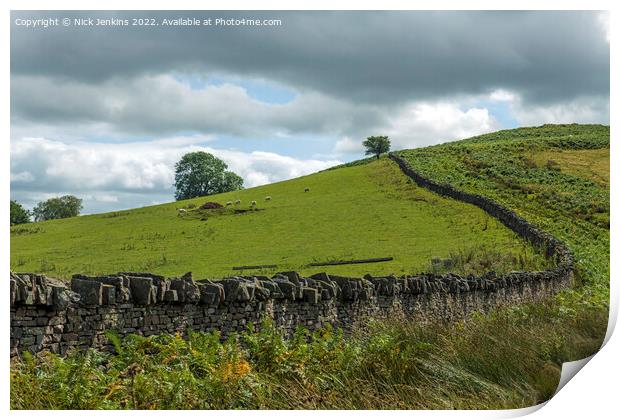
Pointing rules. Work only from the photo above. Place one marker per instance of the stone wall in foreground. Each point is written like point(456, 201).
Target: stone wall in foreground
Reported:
point(48, 315)
point(45, 315)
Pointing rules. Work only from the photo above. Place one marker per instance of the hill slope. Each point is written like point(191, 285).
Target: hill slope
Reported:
point(357, 212)
point(556, 176)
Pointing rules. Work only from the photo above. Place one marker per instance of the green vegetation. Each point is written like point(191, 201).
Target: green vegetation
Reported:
point(556, 176)
point(199, 173)
point(57, 208)
point(483, 258)
point(18, 214)
point(357, 212)
point(377, 145)
point(590, 164)
point(484, 362)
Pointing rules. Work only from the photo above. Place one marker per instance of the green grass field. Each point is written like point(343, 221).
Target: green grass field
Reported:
point(350, 213)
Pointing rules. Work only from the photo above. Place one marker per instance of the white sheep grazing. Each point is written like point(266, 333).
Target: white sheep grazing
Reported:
point(253, 203)
point(268, 198)
point(237, 202)
point(307, 189)
point(228, 203)
point(182, 211)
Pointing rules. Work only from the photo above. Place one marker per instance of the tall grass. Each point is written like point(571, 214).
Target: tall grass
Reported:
point(483, 362)
point(480, 259)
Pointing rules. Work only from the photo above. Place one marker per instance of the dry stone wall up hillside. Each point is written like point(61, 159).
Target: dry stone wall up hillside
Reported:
point(48, 315)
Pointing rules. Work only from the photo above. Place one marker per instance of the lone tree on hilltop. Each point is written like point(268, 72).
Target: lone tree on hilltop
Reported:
point(200, 173)
point(376, 145)
point(57, 208)
point(19, 214)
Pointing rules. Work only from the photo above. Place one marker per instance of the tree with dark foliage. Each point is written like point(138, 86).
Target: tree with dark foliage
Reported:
point(376, 145)
point(57, 208)
point(19, 214)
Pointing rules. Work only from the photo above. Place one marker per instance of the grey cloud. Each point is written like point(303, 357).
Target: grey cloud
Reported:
point(359, 56)
point(162, 105)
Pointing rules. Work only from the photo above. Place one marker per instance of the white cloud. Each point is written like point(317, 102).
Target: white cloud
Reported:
point(582, 109)
point(502, 95)
point(421, 124)
point(183, 140)
point(348, 145)
point(87, 166)
point(127, 174)
point(259, 168)
point(418, 124)
point(603, 19)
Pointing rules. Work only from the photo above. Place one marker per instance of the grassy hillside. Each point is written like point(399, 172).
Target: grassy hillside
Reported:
point(356, 212)
point(556, 176)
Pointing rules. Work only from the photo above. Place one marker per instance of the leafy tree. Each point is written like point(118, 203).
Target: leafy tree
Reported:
point(19, 214)
point(58, 208)
point(199, 173)
point(376, 145)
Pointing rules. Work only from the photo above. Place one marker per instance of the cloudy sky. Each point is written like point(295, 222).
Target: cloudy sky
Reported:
point(104, 112)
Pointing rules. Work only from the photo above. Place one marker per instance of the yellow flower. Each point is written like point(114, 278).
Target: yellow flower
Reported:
point(234, 371)
point(242, 368)
point(227, 371)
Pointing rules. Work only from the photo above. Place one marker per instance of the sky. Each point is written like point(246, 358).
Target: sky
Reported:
point(104, 112)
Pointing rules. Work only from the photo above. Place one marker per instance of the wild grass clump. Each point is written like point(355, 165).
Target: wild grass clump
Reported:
point(483, 258)
point(25, 230)
point(483, 362)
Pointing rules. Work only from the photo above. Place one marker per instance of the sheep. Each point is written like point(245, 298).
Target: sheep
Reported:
point(182, 211)
point(307, 189)
point(237, 202)
point(228, 203)
point(268, 198)
point(253, 203)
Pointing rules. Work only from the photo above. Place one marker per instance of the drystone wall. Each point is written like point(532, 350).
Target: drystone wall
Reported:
point(48, 315)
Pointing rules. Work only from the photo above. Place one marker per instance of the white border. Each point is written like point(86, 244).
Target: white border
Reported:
point(593, 394)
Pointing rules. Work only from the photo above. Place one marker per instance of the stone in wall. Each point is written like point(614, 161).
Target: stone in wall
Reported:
point(90, 291)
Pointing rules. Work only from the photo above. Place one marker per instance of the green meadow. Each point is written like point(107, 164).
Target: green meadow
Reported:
point(358, 212)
